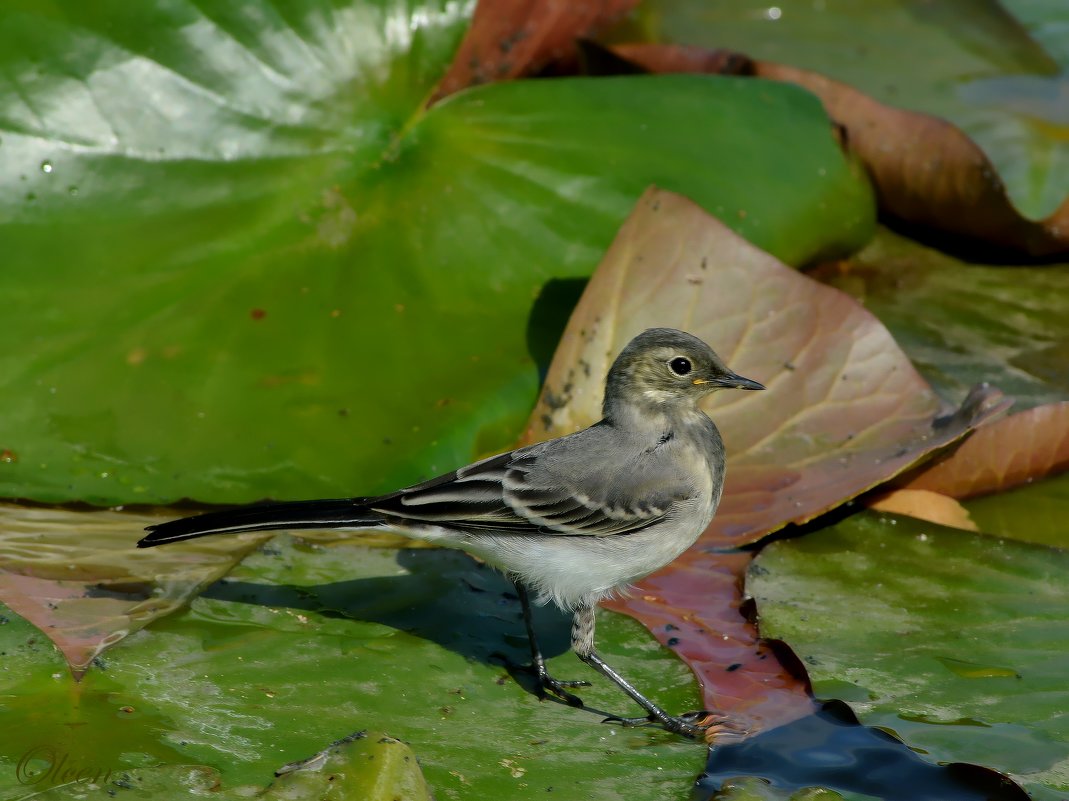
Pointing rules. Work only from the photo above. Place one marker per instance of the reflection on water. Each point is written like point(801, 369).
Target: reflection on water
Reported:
point(831, 749)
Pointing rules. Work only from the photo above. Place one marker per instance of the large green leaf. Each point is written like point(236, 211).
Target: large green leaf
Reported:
point(304, 644)
point(956, 641)
point(976, 65)
point(241, 261)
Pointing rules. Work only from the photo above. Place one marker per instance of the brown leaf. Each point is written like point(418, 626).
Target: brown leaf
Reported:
point(1009, 452)
point(740, 675)
point(667, 59)
point(511, 38)
point(78, 577)
point(925, 169)
point(843, 412)
point(924, 505)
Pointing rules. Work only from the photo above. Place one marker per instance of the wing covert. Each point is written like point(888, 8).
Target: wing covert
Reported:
point(514, 494)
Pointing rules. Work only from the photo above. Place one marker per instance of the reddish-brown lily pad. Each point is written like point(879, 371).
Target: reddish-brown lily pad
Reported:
point(1006, 453)
point(77, 576)
point(511, 38)
point(843, 412)
point(693, 607)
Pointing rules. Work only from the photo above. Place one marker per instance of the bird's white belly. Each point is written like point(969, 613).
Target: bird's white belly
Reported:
point(571, 570)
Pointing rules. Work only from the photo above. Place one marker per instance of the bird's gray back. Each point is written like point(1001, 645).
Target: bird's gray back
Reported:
point(631, 474)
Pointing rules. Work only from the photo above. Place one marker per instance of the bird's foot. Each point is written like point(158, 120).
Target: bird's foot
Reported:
point(548, 684)
point(696, 725)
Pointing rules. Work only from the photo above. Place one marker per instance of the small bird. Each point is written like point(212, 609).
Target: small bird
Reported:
point(574, 519)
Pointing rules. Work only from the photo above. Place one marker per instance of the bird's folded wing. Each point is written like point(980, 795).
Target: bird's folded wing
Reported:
point(514, 494)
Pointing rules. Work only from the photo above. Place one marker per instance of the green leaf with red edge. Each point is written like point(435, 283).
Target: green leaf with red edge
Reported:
point(982, 70)
point(900, 149)
point(1005, 453)
point(77, 576)
point(843, 412)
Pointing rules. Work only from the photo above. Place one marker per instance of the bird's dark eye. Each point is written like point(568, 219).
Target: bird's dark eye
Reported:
point(679, 365)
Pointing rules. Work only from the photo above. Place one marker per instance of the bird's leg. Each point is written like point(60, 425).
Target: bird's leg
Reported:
point(538, 663)
point(583, 645)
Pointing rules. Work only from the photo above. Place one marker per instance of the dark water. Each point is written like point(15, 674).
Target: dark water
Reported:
point(831, 749)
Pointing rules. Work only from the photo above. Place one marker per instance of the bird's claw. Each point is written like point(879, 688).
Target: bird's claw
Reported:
point(549, 684)
point(689, 724)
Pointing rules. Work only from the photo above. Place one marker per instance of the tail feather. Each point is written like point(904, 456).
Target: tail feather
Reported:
point(343, 513)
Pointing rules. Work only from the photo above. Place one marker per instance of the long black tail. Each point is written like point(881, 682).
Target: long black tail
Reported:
point(343, 513)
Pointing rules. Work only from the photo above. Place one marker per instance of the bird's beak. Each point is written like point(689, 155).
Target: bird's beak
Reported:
point(730, 381)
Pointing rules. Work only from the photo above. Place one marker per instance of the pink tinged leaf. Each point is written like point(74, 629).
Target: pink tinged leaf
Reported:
point(77, 576)
point(844, 410)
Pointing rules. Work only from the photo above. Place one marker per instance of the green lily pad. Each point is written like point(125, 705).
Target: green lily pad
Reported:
point(366, 765)
point(955, 641)
point(143, 784)
point(370, 766)
point(976, 66)
point(1033, 513)
point(242, 260)
point(305, 644)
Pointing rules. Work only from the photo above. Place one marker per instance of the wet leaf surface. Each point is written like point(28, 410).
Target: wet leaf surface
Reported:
point(369, 765)
point(955, 641)
point(142, 783)
point(77, 576)
point(304, 644)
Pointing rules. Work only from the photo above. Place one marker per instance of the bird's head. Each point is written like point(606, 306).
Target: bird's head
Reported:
point(664, 369)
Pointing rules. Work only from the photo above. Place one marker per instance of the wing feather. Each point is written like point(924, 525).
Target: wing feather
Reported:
point(513, 494)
